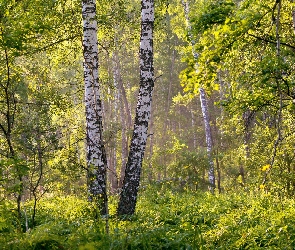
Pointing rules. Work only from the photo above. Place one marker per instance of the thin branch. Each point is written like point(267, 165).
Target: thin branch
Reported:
point(50, 45)
point(270, 41)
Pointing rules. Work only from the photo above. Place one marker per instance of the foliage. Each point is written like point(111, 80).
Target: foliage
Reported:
point(41, 102)
point(165, 220)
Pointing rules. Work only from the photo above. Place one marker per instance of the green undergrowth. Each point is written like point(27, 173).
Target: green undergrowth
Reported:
point(164, 220)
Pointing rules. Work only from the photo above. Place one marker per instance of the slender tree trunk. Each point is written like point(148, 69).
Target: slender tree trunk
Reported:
point(218, 173)
point(128, 195)
point(205, 112)
point(280, 94)
point(167, 108)
point(96, 157)
point(293, 17)
point(124, 99)
point(151, 149)
point(248, 117)
point(40, 163)
point(123, 94)
point(125, 115)
point(193, 126)
point(9, 114)
point(209, 141)
point(124, 123)
point(112, 104)
point(219, 160)
point(124, 147)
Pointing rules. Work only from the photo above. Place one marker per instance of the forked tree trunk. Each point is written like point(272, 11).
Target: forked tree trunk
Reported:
point(96, 157)
point(130, 187)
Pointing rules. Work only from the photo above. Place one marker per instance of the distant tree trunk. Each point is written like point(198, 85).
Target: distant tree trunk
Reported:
point(219, 160)
point(124, 122)
point(218, 173)
point(125, 116)
point(209, 141)
point(205, 112)
point(128, 195)
point(124, 146)
point(248, 117)
point(7, 124)
point(150, 170)
point(193, 126)
point(280, 94)
point(293, 17)
point(96, 157)
point(112, 160)
point(124, 99)
point(167, 108)
point(41, 167)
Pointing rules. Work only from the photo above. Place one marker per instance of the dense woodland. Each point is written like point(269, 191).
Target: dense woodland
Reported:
point(152, 124)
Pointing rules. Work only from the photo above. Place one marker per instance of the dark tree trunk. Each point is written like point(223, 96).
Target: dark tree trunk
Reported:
point(131, 181)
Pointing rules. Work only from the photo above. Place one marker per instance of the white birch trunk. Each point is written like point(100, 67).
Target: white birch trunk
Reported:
point(128, 195)
point(205, 112)
point(96, 158)
point(209, 141)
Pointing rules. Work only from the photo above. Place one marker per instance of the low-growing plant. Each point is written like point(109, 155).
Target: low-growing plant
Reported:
point(164, 219)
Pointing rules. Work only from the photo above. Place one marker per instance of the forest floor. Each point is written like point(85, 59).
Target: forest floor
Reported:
point(164, 220)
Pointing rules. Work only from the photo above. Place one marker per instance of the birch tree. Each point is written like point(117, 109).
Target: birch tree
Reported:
point(209, 141)
point(130, 187)
point(96, 157)
point(205, 112)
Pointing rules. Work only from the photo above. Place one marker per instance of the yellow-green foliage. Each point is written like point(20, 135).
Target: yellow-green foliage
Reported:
point(164, 220)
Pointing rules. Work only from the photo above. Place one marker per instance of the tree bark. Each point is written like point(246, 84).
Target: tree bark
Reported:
point(209, 141)
point(7, 124)
point(125, 115)
point(205, 112)
point(129, 192)
point(96, 157)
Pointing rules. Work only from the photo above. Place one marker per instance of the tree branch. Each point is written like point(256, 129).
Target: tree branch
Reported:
point(270, 41)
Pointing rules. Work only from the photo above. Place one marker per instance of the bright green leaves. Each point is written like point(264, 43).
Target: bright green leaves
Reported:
point(245, 51)
point(211, 13)
point(26, 25)
point(219, 36)
point(188, 76)
point(17, 25)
